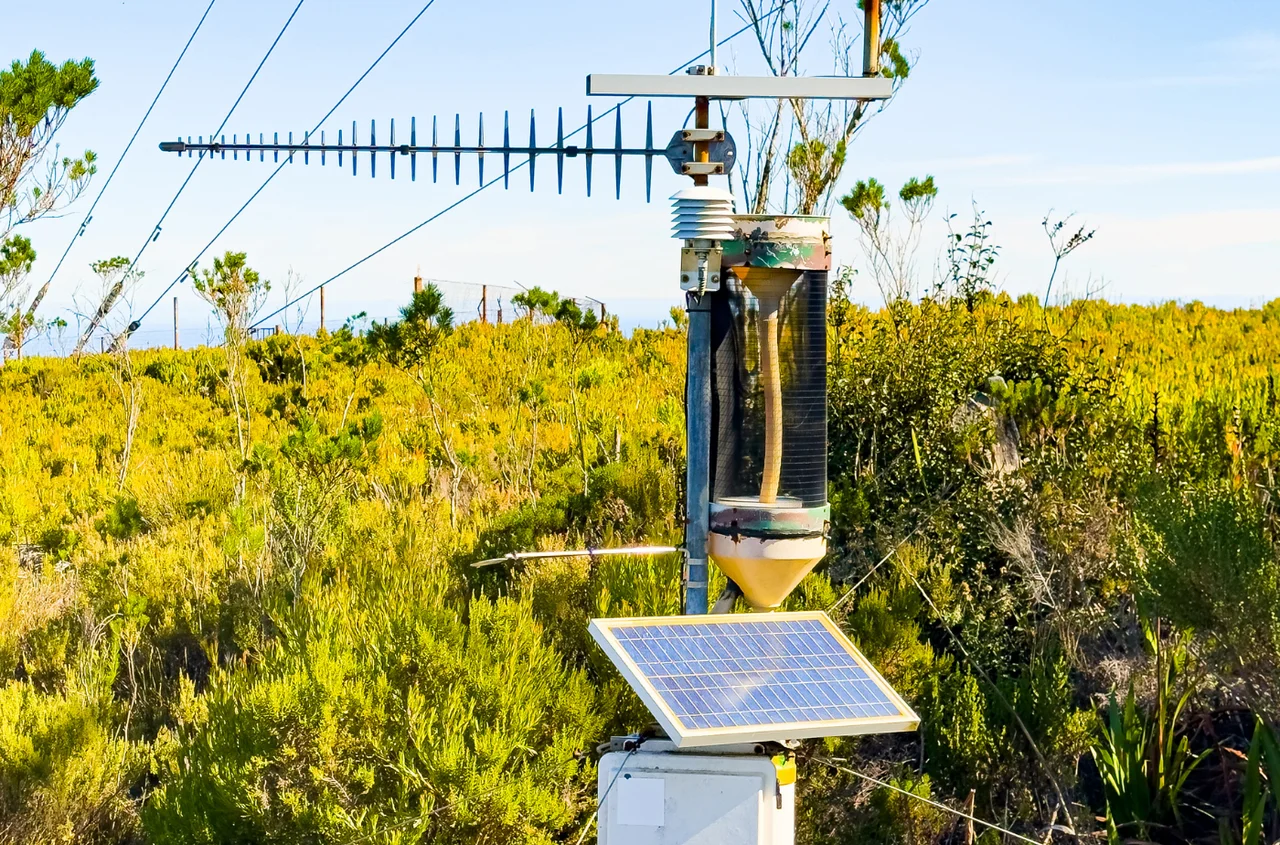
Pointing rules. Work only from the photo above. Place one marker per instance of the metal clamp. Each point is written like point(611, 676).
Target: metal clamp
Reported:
point(700, 269)
point(702, 135)
point(682, 155)
point(702, 168)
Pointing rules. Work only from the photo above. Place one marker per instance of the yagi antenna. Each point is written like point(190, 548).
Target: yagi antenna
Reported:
point(680, 152)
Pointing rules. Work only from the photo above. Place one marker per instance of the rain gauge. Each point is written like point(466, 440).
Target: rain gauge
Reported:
point(731, 693)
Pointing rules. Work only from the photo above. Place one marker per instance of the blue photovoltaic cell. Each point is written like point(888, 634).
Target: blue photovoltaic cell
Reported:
point(753, 672)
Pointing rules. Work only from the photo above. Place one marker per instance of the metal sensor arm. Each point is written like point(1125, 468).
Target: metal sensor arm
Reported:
point(715, 87)
point(637, 551)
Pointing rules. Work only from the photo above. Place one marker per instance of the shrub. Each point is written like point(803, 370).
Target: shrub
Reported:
point(64, 777)
point(375, 713)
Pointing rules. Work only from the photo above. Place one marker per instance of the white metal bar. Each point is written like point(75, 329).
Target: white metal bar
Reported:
point(592, 553)
point(740, 87)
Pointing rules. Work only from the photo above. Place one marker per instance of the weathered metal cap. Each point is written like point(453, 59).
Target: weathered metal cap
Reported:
point(779, 241)
point(767, 549)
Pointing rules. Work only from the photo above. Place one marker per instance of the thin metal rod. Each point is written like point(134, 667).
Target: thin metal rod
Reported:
point(533, 149)
point(590, 145)
point(648, 159)
point(506, 145)
point(480, 141)
point(591, 553)
point(560, 151)
point(712, 51)
point(617, 155)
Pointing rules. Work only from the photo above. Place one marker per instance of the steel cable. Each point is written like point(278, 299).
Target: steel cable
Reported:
point(155, 232)
point(935, 804)
point(487, 185)
point(89, 214)
point(133, 327)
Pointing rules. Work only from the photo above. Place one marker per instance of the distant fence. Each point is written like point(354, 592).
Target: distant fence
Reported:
point(471, 302)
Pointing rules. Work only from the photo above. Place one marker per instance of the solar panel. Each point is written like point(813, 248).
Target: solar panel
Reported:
point(712, 680)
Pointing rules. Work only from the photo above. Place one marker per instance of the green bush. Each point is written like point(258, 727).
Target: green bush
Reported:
point(377, 712)
point(64, 776)
point(1211, 565)
point(288, 643)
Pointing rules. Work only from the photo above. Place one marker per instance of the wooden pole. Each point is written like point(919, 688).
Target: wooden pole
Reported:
point(702, 120)
point(484, 303)
point(871, 38)
point(322, 308)
point(175, 323)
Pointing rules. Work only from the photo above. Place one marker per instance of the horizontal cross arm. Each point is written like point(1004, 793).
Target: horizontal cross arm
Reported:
point(741, 87)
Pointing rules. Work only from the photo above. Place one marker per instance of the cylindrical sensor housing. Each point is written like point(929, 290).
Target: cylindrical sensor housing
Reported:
point(769, 509)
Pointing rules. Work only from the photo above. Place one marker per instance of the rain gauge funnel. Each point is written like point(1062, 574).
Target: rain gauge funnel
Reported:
point(769, 509)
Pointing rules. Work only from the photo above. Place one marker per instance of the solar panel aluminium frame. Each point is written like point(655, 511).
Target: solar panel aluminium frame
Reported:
point(602, 632)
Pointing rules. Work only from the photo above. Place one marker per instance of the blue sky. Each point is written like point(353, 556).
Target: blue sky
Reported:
point(1155, 123)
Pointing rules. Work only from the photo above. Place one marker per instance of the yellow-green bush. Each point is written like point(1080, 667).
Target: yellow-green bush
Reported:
point(287, 644)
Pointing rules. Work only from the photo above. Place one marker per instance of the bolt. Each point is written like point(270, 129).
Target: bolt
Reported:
point(684, 277)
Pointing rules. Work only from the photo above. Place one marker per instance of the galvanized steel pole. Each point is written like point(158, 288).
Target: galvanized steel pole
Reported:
point(698, 421)
point(698, 448)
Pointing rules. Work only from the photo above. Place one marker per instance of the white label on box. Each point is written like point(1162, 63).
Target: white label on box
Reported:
point(641, 801)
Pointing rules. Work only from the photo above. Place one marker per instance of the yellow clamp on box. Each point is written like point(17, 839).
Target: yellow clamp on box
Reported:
point(786, 766)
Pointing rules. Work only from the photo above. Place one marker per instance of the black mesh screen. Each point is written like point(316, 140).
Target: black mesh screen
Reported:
point(737, 403)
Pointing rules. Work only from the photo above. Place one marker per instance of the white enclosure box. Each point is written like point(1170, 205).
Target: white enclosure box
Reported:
point(663, 796)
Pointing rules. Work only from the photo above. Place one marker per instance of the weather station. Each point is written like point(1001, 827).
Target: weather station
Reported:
point(731, 693)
